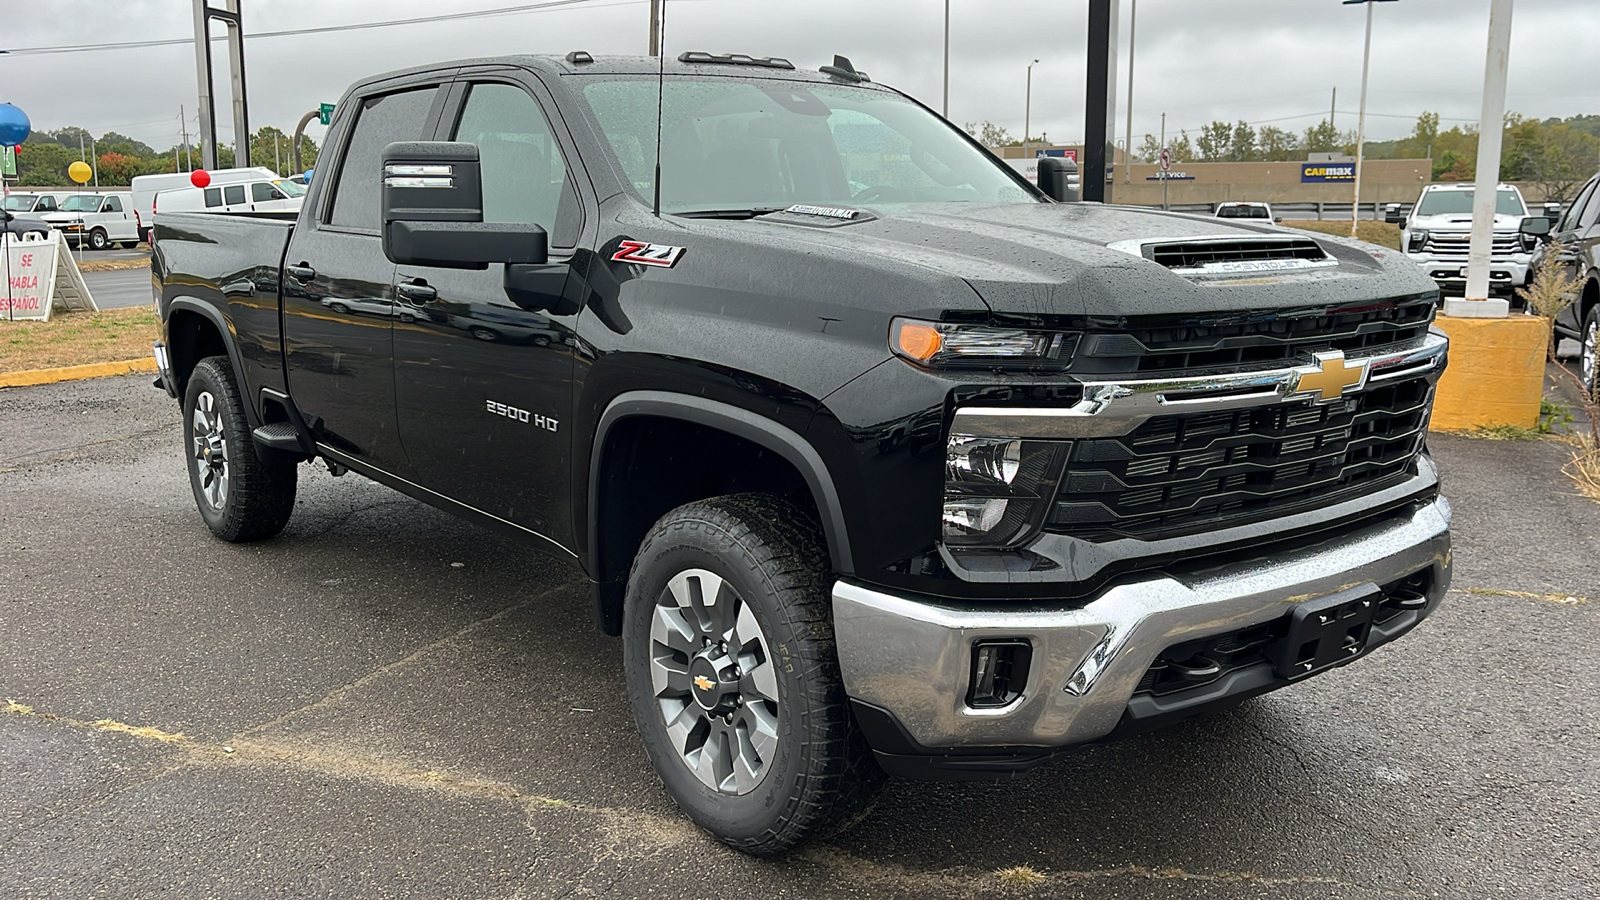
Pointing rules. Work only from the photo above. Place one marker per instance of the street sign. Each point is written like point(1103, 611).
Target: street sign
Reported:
point(1166, 159)
point(325, 113)
point(8, 162)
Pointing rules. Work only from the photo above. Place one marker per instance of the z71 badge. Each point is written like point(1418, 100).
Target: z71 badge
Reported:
point(647, 254)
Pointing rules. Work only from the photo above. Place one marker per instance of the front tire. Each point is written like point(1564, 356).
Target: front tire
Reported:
point(241, 496)
point(98, 240)
point(729, 655)
point(1589, 353)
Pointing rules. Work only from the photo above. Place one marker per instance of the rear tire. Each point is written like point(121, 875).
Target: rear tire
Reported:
point(1589, 353)
point(763, 753)
point(241, 496)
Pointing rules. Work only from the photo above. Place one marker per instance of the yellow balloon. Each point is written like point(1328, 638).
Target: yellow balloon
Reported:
point(79, 172)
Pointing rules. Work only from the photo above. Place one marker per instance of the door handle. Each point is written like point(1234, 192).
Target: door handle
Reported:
point(416, 293)
point(301, 272)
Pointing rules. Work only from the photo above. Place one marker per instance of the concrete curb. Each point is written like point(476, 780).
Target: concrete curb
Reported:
point(76, 373)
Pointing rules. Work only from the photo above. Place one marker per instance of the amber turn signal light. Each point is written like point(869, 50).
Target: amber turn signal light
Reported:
point(917, 340)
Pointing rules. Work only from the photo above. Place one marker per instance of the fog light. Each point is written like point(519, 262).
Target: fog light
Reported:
point(972, 516)
point(999, 673)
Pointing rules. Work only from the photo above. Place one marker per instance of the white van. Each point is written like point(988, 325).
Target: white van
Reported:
point(32, 203)
point(146, 187)
point(267, 195)
point(97, 219)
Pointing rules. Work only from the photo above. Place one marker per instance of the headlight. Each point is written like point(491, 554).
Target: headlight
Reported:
point(1418, 238)
point(997, 489)
point(955, 345)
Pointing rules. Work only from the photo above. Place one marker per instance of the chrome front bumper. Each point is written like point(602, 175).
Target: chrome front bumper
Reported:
point(911, 657)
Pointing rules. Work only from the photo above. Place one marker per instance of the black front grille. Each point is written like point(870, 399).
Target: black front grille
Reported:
point(1184, 473)
point(1190, 346)
point(1190, 254)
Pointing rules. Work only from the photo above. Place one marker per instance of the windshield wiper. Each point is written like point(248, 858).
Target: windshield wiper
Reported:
point(746, 213)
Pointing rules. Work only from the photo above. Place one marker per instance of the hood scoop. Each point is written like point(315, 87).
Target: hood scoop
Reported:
point(1230, 255)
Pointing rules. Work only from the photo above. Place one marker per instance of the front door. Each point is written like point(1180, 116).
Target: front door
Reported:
point(483, 381)
point(338, 290)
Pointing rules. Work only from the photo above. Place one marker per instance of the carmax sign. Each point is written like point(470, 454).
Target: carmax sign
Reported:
point(1317, 172)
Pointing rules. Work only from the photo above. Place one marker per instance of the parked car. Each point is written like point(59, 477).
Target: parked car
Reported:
point(1436, 234)
point(932, 477)
point(22, 226)
point(146, 187)
point(1574, 247)
point(265, 195)
point(99, 220)
point(32, 204)
point(1258, 213)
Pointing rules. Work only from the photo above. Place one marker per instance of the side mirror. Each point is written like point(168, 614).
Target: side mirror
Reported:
point(1537, 226)
point(1277, 219)
point(1552, 211)
point(433, 211)
point(1057, 178)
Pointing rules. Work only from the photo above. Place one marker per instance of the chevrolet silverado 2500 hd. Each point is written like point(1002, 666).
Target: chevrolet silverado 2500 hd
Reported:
point(878, 459)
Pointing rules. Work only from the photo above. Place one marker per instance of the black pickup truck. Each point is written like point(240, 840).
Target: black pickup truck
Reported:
point(878, 458)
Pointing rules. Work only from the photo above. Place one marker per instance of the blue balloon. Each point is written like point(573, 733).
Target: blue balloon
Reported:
point(14, 126)
point(308, 175)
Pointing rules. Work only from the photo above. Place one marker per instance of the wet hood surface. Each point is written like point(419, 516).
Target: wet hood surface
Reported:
point(1058, 259)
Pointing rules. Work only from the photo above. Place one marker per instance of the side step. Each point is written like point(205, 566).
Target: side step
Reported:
point(282, 436)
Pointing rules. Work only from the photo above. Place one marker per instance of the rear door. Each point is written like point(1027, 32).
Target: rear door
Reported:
point(483, 384)
point(1567, 243)
point(338, 285)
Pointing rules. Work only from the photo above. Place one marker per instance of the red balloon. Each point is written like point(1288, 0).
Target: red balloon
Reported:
point(199, 178)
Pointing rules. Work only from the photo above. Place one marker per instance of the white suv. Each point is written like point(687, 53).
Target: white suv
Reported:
point(1439, 228)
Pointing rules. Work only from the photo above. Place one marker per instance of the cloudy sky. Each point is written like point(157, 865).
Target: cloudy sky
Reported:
point(1264, 61)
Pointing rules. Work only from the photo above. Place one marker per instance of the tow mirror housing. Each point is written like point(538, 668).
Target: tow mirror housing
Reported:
point(1537, 226)
point(433, 211)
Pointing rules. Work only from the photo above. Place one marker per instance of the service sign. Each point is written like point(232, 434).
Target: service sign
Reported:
point(28, 293)
point(1313, 173)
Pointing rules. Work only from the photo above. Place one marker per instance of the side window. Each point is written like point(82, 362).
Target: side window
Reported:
point(524, 172)
point(381, 121)
point(113, 204)
point(1591, 211)
point(47, 203)
point(261, 192)
point(1569, 221)
point(232, 194)
point(213, 196)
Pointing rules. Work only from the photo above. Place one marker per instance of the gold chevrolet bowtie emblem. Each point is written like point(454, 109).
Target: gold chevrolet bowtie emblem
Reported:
point(1331, 376)
point(702, 682)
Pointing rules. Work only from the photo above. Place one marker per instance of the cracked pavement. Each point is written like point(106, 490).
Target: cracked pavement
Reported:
point(347, 712)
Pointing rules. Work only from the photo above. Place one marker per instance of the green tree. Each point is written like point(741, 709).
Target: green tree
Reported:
point(1277, 144)
point(1242, 145)
point(1558, 157)
point(1321, 138)
point(989, 134)
point(1214, 141)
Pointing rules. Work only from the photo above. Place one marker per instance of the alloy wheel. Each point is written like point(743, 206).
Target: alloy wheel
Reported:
point(715, 685)
point(1591, 353)
point(210, 448)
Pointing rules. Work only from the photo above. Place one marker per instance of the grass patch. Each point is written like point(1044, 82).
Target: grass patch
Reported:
point(1020, 876)
point(77, 338)
point(1370, 231)
point(1584, 470)
point(112, 265)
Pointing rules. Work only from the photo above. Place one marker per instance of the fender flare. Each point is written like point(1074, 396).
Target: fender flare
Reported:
point(739, 422)
point(224, 328)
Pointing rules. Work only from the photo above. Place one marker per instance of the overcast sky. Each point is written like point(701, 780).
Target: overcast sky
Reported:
point(1197, 60)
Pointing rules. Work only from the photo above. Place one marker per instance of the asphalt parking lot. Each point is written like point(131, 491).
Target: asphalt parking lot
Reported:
point(386, 702)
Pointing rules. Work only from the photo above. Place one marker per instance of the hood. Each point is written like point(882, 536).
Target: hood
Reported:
point(1088, 259)
point(1459, 222)
point(61, 218)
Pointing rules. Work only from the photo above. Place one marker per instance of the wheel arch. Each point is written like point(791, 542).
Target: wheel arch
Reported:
point(608, 542)
point(195, 330)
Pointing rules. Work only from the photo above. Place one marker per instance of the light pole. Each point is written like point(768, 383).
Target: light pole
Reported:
point(1027, 110)
point(1127, 144)
point(945, 110)
point(1361, 117)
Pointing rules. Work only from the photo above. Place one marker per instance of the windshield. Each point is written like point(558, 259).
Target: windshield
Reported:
point(21, 202)
point(291, 188)
point(81, 203)
point(734, 145)
point(1459, 203)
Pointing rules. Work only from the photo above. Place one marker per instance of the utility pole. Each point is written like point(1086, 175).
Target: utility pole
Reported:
point(1127, 144)
point(1027, 110)
point(945, 111)
point(1100, 102)
point(183, 122)
point(1163, 174)
point(655, 27)
point(1333, 106)
point(1486, 193)
point(94, 163)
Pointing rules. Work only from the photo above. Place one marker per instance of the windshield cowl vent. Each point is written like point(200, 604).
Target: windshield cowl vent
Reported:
point(1227, 256)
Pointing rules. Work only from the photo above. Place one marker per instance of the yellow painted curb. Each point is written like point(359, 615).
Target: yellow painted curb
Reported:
point(76, 373)
point(1496, 373)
